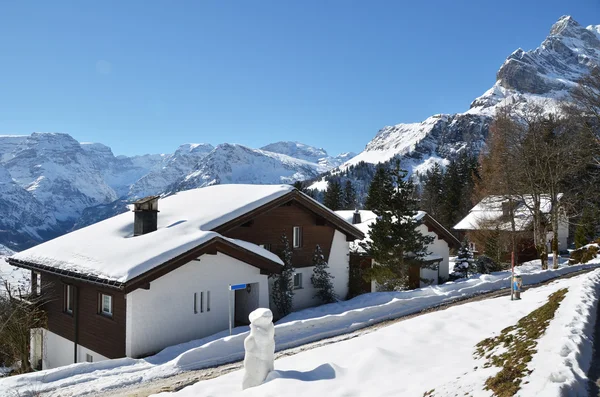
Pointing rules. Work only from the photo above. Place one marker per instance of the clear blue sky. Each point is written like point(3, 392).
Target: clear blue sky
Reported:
point(146, 76)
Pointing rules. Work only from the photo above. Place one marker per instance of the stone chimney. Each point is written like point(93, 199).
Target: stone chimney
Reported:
point(145, 215)
point(356, 217)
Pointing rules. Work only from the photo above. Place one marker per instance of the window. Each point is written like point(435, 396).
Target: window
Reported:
point(297, 280)
point(89, 358)
point(207, 301)
point(201, 302)
point(68, 299)
point(36, 283)
point(297, 237)
point(106, 307)
point(195, 303)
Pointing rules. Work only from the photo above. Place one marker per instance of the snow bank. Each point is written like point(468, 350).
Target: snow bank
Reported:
point(564, 352)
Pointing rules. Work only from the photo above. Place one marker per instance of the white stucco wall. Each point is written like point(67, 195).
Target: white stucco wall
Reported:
point(338, 262)
point(58, 351)
point(440, 248)
point(563, 232)
point(164, 315)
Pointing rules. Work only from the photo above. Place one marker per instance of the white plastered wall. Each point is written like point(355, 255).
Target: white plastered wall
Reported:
point(164, 315)
point(58, 351)
point(338, 262)
point(439, 248)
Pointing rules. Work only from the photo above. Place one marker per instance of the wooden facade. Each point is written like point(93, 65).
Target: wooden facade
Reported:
point(267, 229)
point(96, 332)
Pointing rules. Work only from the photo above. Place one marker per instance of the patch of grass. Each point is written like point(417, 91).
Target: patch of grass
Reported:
point(518, 344)
point(428, 393)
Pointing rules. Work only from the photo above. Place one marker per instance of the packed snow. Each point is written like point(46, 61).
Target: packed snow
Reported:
point(427, 354)
point(296, 329)
point(108, 249)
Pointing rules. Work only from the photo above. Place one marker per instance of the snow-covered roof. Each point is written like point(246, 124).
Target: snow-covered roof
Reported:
point(488, 214)
point(367, 218)
point(108, 250)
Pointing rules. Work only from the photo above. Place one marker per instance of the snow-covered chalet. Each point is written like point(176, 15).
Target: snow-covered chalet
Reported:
point(138, 282)
point(492, 216)
point(436, 263)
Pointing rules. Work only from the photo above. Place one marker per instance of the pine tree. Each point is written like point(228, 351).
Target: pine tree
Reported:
point(349, 202)
point(586, 228)
point(433, 191)
point(465, 264)
point(282, 292)
point(379, 189)
point(321, 278)
point(333, 198)
point(395, 244)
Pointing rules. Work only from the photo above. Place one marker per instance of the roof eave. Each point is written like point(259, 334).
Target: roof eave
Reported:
point(66, 274)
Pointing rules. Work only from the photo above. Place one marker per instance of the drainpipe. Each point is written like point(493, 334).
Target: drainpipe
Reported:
point(76, 320)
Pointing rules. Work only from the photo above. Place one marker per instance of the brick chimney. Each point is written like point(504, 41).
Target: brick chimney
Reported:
point(356, 217)
point(145, 215)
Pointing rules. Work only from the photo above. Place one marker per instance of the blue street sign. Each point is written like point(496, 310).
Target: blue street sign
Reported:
point(236, 287)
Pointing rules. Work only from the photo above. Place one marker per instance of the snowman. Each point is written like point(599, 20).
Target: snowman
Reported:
point(259, 347)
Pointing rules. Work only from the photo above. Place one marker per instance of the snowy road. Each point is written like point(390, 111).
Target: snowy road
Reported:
point(182, 380)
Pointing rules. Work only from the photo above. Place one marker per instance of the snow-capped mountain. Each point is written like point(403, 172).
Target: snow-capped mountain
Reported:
point(309, 153)
point(543, 76)
point(50, 183)
point(24, 220)
point(231, 163)
point(56, 170)
point(174, 167)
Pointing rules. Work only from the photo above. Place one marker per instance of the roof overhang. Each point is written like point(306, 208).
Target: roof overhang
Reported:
point(441, 231)
point(211, 247)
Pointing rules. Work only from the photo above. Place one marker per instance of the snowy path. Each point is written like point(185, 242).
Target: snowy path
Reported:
point(298, 329)
point(431, 353)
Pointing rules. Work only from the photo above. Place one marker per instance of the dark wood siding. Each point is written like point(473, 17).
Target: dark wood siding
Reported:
point(268, 228)
point(103, 335)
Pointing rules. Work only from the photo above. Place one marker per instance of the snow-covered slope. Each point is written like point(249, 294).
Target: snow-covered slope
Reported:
point(121, 172)
point(56, 170)
point(309, 153)
point(176, 166)
point(232, 163)
point(24, 220)
point(542, 75)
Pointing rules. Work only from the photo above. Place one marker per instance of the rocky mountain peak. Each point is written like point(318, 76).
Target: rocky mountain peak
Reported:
point(565, 26)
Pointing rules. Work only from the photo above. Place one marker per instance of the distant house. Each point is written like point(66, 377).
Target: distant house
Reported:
point(492, 215)
point(436, 261)
point(136, 283)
